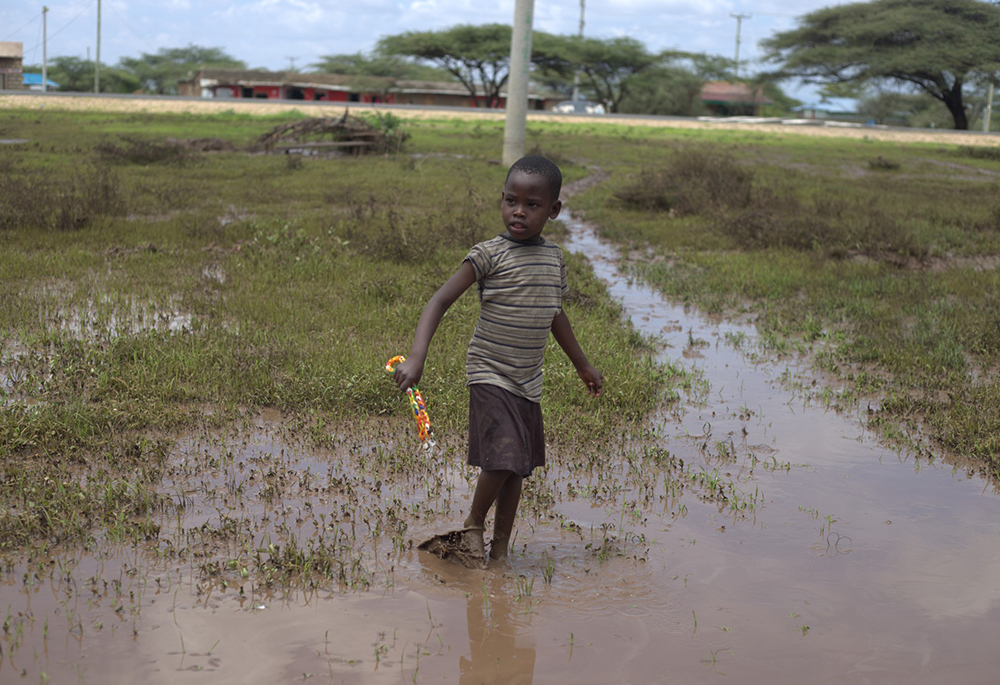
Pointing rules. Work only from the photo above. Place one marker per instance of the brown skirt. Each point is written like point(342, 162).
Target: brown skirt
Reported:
point(505, 431)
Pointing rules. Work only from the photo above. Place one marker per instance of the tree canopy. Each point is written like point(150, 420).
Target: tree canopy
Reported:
point(75, 74)
point(478, 56)
point(607, 66)
point(375, 64)
point(159, 73)
point(934, 46)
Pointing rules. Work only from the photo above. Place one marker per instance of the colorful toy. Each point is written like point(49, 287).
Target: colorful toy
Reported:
point(419, 408)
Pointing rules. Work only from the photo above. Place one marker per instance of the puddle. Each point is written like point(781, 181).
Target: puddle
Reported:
point(760, 539)
point(106, 319)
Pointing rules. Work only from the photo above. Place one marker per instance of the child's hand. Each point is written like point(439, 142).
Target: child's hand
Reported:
point(592, 378)
point(407, 373)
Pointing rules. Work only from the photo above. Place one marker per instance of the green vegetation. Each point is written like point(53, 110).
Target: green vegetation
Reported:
point(166, 293)
point(881, 259)
point(156, 290)
point(902, 42)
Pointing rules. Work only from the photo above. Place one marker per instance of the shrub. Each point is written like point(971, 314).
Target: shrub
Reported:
point(94, 193)
point(697, 181)
point(135, 150)
point(992, 153)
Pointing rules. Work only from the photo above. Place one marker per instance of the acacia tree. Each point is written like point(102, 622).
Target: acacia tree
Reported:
point(478, 56)
point(672, 84)
point(75, 74)
point(159, 73)
point(607, 66)
point(378, 65)
point(934, 46)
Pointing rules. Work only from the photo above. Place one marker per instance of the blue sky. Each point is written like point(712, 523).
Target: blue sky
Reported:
point(275, 34)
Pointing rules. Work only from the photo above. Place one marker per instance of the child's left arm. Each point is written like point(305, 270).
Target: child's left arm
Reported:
point(563, 333)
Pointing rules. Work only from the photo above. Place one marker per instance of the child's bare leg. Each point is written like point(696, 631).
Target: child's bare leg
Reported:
point(507, 500)
point(487, 488)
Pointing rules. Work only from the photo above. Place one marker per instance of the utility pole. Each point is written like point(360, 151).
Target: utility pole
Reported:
point(45, 49)
point(517, 83)
point(291, 63)
point(739, 25)
point(97, 62)
point(989, 109)
point(576, 74)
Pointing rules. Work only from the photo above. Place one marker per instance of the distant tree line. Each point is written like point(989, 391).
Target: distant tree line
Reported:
point(924, 61)
point(156, 73)
point(619, 72)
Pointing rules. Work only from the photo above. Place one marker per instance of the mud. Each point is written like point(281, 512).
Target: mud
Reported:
point(755, 537)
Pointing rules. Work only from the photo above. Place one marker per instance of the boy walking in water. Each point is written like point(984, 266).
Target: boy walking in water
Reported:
point(522, 281)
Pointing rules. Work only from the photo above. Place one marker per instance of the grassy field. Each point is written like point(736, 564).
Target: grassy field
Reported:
point(147, 290)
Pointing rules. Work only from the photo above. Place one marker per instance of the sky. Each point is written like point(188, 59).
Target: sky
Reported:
point(282, 34)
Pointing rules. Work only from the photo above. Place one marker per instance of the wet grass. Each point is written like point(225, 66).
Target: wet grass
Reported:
point(889, 277)
point(197, 294)
point(194, 372)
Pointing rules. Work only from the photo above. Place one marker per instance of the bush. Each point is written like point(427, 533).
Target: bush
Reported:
point(36, 200)
point(135, 150)
point(992, 153)
point(93, 194)
point(697, 181)
point(714, 185)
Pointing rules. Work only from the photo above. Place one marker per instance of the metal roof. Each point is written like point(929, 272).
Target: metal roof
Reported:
point(36, 80)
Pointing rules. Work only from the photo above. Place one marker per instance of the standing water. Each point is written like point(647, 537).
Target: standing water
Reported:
point(762, 539)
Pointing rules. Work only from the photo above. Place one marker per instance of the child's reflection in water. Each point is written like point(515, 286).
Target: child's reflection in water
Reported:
point(493, 626)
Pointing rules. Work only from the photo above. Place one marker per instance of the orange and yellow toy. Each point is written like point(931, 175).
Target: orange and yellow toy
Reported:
point(418, 406)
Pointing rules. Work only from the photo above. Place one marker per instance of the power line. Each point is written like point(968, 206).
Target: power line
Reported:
point(126, 24)
point(13, 33)
point(739, 25)
point(52, 35)
point(39, 39)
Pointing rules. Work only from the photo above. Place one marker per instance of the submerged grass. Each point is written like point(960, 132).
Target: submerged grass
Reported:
point(196, 293)
point(197, 290)
point(894, 276)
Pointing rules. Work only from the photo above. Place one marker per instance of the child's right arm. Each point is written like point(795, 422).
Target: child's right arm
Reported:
point(408, 373)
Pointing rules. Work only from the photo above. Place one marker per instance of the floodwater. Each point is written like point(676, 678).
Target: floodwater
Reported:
point(760, 539)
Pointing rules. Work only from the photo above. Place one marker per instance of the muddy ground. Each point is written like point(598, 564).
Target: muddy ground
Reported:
point(751, 535)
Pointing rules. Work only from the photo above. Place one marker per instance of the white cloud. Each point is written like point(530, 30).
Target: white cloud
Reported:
point(265, 32)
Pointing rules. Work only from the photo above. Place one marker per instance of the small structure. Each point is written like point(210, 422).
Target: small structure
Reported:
point(733, 99)
point(840, 109)
point(284, 85)
point(34, 82)
point(11, 67)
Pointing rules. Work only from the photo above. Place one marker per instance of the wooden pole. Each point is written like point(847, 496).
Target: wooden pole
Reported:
point(97, 62)
point(989, 110)
point(517, 83)
point(576, 74)
point(45, 49)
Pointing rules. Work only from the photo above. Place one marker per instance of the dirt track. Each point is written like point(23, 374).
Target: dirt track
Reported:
point(270, 107)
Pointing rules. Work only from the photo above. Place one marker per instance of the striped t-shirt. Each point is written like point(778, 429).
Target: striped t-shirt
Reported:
point(521, 288)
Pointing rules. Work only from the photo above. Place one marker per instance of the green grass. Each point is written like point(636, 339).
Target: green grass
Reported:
point(195, 291)
point(894, 272)
point(140, 300)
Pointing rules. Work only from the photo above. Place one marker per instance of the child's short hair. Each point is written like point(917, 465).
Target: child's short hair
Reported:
point(541, 166)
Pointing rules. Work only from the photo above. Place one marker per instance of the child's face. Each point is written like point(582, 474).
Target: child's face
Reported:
point(526, 204)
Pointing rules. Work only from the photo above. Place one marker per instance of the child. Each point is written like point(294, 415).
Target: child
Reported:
point(522, 280)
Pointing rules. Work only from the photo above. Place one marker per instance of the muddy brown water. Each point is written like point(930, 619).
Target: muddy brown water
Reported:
point(829, 560)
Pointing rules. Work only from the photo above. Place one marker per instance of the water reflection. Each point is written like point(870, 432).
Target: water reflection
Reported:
point(497, 653)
